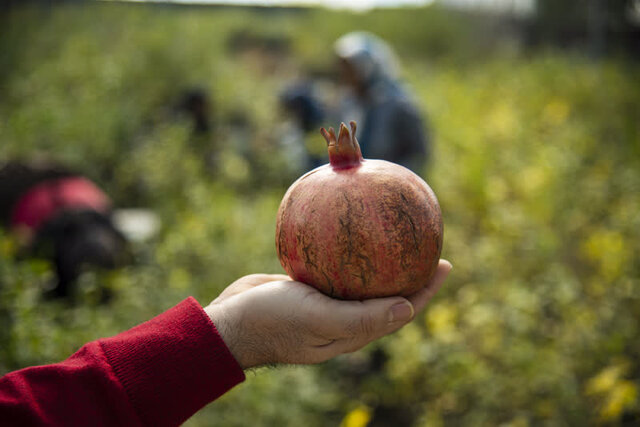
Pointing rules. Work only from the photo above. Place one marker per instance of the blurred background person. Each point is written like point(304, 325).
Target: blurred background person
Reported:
point(370, 92)
point(195, 105)
point(304, 112)
point(391, 125)
point(62, 216)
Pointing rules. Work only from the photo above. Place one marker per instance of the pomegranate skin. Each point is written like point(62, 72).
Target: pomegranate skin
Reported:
point(370, 230)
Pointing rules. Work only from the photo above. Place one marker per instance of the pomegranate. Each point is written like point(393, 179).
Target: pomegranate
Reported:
point(357, 229)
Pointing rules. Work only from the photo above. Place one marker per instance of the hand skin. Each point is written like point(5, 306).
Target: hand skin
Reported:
point(270, 319)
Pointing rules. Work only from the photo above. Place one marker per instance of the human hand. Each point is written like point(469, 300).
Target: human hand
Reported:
point(269, 319)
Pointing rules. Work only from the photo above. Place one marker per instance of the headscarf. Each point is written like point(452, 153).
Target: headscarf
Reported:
point(391, 125)
point(371, 57)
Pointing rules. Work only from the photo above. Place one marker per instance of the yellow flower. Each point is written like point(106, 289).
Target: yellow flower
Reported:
point(621, 397)
point(358, 417)
point(615, 393)
point(606, 379)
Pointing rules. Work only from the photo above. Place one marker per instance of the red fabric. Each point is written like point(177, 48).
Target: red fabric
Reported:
point(156, 374)
point(44, 200)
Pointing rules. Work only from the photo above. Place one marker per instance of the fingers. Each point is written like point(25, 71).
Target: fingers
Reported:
point(423, 296)
point(259, 279)
point(248, 282)
point(369, 325)
point(354, 324)
point(378, 316)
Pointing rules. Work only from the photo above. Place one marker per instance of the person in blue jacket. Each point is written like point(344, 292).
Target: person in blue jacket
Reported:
point(392, 127)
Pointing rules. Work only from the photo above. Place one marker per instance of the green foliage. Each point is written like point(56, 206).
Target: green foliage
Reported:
point(536, 165)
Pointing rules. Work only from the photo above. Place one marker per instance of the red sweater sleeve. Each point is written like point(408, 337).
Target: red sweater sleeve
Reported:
point(158, 373)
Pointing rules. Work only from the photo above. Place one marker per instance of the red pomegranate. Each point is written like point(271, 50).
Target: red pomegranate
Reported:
point(357, 229)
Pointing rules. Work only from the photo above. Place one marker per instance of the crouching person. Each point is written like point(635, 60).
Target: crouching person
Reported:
point(61, 216)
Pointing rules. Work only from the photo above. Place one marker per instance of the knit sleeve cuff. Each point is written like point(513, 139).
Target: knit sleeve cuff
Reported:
point(173, 365)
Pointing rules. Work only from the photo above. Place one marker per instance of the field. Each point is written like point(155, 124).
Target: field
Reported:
point(536, 163)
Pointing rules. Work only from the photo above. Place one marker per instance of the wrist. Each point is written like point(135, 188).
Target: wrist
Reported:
point(230, 332)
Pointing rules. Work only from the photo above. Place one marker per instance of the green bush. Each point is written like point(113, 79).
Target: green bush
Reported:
point(536, 165)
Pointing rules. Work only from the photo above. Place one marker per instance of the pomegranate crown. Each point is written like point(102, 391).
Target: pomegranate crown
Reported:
point(344, 150)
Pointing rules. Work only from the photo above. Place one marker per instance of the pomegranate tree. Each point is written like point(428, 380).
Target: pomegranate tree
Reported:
point(358, 229)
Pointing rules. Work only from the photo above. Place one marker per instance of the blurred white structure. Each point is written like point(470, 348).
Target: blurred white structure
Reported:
point(137, 225)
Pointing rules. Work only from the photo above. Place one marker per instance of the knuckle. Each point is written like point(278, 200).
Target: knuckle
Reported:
point(367, 325)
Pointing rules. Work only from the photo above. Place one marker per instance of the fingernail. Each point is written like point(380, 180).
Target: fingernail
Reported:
point(401, 312)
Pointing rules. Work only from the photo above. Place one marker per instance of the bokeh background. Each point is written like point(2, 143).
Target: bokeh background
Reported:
point(536, 162)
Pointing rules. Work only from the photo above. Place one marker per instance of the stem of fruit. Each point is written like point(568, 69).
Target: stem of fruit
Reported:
point(344, 150)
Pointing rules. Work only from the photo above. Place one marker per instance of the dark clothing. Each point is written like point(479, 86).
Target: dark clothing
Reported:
point(394, 131)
